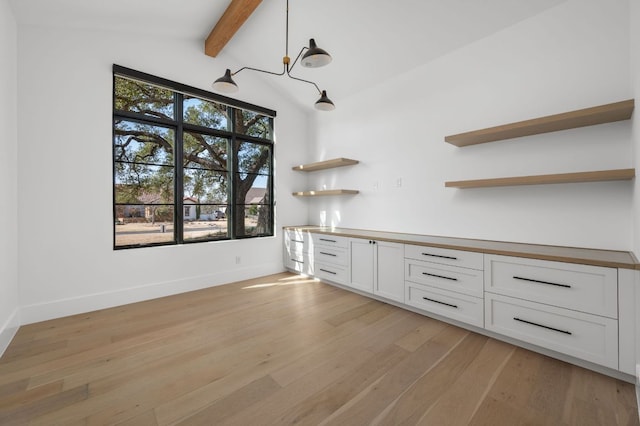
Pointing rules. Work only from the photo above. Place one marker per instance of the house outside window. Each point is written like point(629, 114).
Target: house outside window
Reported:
point(189, 165)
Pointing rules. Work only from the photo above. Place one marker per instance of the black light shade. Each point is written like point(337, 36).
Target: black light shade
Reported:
point(315, 57)
point(225, 84)
point(324, 103)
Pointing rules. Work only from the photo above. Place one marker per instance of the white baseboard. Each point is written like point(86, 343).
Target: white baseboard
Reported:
point(92, 302)
point(9, 329)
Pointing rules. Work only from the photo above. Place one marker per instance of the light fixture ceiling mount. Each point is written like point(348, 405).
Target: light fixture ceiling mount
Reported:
point(312, 57)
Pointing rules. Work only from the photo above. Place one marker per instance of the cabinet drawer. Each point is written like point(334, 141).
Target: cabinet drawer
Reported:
point(589, 337)
point(460, 280)
point(295, 248)
point(300, 264)
point(464, 259)
point(330, 241)
point(296, 240)
point(335, 256)
point(448, 304)
point(334, 273)
point(590, 289)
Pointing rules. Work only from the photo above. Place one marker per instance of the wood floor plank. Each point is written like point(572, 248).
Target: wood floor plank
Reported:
point(13, 402)
point(376, 398)
point(321, 405)
point(285, 349)
point(549, 393)
point(510, 394)
point(128, 393)
point(317, 378)
point(418, 398)
point(234, 402)
point(148, 418)
point(471, 387)
point(26, 412)
point(369, 337)
point(347, 337)
point(11, 389)
point(415, 339)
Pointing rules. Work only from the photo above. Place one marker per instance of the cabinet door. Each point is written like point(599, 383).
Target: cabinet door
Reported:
point(362, 268)
point(389, 280)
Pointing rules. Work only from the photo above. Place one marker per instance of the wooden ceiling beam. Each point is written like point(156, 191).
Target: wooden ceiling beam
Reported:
point(232, 19)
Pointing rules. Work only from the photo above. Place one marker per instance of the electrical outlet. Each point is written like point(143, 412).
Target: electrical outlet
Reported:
point(237, 260)
point(399, 182)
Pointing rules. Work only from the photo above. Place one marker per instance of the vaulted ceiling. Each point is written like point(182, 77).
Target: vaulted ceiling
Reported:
point(370, 40)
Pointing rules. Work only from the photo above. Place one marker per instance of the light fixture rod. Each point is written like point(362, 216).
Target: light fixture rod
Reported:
point(306, 81)
point(259, 70)
point(297, 57)
point(286, 46)
point(287, 65)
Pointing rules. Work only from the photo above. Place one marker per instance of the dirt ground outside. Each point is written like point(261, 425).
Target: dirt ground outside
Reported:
point(160, 232)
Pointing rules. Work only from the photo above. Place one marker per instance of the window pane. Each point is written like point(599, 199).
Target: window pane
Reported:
point(205, 113)
point(143, 184)
point(253, 124)
point(144, 224)
point(143, 98)
point(205, 222)
point(254, 158)
point(257, 219)
point(143, 143)
point(206, 186)
point(205, 152)
point(215, 140)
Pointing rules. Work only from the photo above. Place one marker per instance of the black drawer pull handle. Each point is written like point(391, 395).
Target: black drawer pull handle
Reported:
point(440, 276)
point(297, 261)
point(329, 241)
point(328, 254)
point(440, 256)
point(329, 272)
point(297, 241)
point(542, 282)
point(442, 303)
point(543, 326)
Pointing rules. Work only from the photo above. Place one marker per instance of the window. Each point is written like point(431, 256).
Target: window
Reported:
point(188, 165)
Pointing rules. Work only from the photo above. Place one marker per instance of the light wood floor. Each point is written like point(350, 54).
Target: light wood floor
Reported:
point(282, 350)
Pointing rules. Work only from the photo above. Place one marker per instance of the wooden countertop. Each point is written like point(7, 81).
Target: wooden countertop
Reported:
point(587, 256)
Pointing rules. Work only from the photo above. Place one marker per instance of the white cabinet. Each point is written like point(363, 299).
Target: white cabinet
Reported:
point(562, 307)
point(445, 282)
point(377, 267)
point(459, 258)
point(568, 308)
point(590, 337)
point(297, 255)
point(457, 306)
point(330, 257)
point(450, 278)
point(585, 288)
point(628, 304)
point(362, 265)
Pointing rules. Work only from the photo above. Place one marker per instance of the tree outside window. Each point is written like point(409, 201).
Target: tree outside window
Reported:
point(188, 167)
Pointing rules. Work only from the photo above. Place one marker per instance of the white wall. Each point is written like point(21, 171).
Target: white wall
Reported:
point(67, 264)
point(9, 312)
point(572, 56)
point(635, 81)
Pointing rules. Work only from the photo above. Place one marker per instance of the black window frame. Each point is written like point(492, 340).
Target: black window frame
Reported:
point(180, 126)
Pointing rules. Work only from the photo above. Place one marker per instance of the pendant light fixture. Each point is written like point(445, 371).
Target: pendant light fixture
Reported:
point(312, 57)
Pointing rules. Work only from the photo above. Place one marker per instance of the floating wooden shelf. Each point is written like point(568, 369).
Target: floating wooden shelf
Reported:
point(325, 192)
point(322, 165)
point(569, 120)
point(598, 176)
